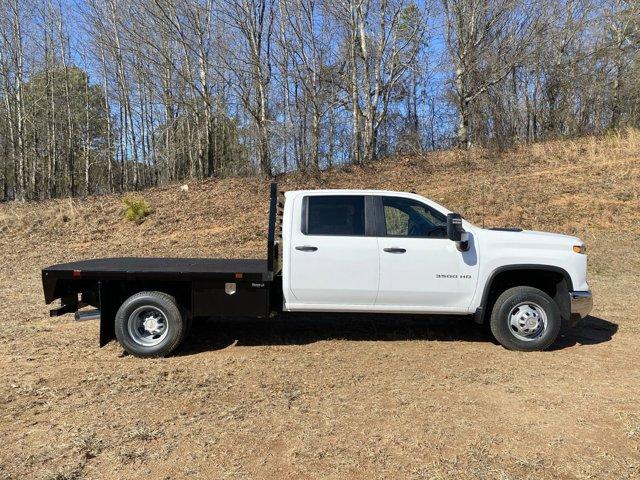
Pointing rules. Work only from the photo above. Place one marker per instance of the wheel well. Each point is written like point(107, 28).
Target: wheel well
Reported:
point(551, 281)
point(181, 291)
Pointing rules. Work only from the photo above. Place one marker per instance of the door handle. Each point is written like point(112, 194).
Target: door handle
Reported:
point(395, 250)
point(306, 248)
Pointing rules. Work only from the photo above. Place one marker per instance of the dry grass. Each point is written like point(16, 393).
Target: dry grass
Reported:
point(327, 396)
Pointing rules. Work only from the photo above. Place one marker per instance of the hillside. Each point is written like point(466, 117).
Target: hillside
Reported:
point(331, 398)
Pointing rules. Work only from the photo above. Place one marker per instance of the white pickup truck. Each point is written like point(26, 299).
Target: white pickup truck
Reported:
point(342, 251)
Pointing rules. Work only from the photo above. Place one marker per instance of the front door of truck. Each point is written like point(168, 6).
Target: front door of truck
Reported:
point(420, 268)
point(333, 262)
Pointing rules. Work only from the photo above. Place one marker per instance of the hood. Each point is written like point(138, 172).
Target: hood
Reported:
point(528, 237)
point(560, 237)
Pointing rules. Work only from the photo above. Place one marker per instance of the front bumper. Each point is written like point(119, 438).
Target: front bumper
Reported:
point(581, 304)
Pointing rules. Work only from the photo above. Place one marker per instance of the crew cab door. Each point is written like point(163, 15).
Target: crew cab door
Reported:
point(333, 263)
point(421, 269)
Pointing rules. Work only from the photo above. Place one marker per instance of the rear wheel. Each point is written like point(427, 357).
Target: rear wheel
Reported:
point(149, 324)
point(525, 319)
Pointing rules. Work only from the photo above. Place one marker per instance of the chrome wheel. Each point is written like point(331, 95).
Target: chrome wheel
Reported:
point(527, 321)
point(147, 326)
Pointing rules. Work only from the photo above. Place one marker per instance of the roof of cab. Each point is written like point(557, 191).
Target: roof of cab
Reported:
point(415, 196)
point(331, 191)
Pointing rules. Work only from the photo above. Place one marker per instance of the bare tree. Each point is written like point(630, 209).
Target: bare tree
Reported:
point(621, 40)
point(486, 40)
point(252, 29)
point(13, 43)
point(384, 39)
point(132, 93)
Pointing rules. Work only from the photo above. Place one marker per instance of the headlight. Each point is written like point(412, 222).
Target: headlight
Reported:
point(580, 248)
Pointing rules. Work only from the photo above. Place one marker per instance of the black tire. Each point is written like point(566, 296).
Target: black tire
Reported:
point(507, 334)
point(176, 326)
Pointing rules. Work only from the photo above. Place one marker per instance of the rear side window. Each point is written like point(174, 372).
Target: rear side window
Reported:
point(334, 215)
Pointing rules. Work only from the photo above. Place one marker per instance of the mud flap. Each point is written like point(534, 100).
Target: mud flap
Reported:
point(563, 300)
point(108, 307)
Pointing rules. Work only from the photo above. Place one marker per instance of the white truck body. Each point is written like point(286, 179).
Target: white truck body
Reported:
point(355, 273)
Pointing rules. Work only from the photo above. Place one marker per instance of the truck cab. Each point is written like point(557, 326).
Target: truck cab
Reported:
point(342, 251)
point(375, 251)
point(397, 252)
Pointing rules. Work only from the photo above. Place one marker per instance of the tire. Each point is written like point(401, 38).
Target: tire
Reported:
point(149, 324)
point(525, 319)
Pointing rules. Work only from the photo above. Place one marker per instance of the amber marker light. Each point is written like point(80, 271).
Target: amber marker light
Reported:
point(580, 248)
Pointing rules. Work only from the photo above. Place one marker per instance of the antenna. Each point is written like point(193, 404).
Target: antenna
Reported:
point(484, 183)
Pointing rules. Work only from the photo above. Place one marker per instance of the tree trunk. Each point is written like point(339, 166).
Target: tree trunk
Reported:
point(87, 149)
point(615, 104)
point(107, 108)
point(11, 148)
point(20, 110)
point(464, 140)
point(355, 97)
point(265, 157)
point(67, 96)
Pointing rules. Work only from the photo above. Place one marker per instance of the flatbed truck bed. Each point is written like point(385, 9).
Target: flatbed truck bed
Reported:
point(136, 268)
point(202, 286)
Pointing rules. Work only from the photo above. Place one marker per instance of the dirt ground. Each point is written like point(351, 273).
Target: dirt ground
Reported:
point(353, 397)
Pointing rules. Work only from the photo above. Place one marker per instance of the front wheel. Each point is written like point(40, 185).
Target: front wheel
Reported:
point(525, 319)
point(149, 324)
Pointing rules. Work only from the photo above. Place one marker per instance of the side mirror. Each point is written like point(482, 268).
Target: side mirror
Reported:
point(454, 227)
point(456, 233)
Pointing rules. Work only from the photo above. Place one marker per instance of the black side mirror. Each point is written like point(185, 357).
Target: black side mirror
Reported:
point(456, 233)
point(454, 227)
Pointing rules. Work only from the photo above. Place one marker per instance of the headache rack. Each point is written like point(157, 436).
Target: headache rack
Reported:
point(274, 238)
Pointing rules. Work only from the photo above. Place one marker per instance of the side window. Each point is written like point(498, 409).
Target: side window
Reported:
point(404, 217)
point(334, 215)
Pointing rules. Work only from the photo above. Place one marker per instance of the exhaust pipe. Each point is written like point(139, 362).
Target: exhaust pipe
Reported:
point(93, 314)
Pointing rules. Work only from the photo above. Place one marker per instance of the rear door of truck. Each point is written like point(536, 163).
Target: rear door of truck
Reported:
point(333, 262)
